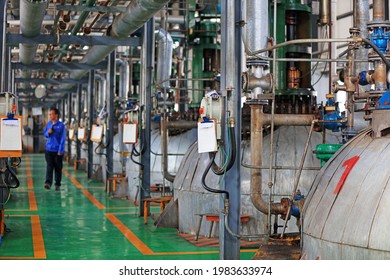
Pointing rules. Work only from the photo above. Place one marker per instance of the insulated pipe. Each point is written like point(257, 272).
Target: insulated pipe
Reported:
point(256, 27)
point(362, 18)
point(124, 77)
point(256, 36)
point(135, 16)
point(378, 10)
point(164, 59)
point(31, 16)
point(256, 160)
point(102, 87)
point(324, 12)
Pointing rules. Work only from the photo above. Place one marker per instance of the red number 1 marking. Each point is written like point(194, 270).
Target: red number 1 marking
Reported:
point(348, 164)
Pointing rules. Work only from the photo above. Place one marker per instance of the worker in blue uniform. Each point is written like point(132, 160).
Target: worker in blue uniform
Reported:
point(55, 132)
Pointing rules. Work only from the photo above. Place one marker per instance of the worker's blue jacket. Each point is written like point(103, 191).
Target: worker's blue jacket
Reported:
point(56, 140)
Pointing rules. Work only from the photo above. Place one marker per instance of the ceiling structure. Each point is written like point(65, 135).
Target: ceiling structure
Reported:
point(49, 42)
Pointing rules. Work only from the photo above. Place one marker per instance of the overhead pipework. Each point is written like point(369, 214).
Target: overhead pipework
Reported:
point(136, 14)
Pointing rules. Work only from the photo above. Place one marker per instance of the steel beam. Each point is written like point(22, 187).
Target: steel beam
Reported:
point(69, 121)
point(59, 66)
point(51, 81)
point(78, 100)
point(14, 39)
point(48, 91)
point(3, 15)
point(231, 85)
point(91, 93)
point(147, 76)
point(110, 104)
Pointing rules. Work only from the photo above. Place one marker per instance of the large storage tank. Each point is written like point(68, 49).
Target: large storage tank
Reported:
point(289, 143)
point(349, 219)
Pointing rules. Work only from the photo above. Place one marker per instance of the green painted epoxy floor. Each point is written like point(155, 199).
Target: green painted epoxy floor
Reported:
point(81, 222)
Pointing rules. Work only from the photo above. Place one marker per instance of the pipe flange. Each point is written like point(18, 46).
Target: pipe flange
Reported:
point(257, 62)
point(256, 102)
point(372, 57)
point(373, 24)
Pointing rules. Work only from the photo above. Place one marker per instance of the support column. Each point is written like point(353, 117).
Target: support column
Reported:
point(69, 121)
point(146, 93)
point(78, 143)
point(91, 94)
point(110, 109)
point(3, 15)
point(231, 85)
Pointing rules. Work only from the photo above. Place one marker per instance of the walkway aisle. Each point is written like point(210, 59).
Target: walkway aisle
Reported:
point(81, 223)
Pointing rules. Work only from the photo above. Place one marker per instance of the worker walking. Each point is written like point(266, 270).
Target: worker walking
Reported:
point(55, 132)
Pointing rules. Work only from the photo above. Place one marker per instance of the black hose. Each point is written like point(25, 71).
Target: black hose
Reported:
point(135, 153)
point(212, 157)
point(100, 154)
point(232, 156)
point(378, 51)
point(13, 175)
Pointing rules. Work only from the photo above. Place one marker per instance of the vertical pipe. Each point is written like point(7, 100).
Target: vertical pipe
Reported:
point(91, 94)
point(78, 102)
point(231, 53)
point(362, 18)
point(110, 109)
point(324, 12)
point(7, 76)
point(256, 36)
point(379, 10)
point(146, 93)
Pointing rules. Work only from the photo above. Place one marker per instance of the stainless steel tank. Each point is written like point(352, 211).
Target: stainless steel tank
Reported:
point(345, 215)
point(289, 143)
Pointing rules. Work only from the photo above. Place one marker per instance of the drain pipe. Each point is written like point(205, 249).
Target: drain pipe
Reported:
point(136, 15)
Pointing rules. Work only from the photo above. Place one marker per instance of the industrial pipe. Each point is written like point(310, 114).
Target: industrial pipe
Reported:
point(256, 159)
point(305, 41)
point(256, 37)
point(324, 12)
point(164, 149)
point(135, 16)
point(164, 59)
point(378, 10)
point(32, 13)
point(124, 77)
point(286, 119)
point(258, 120)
